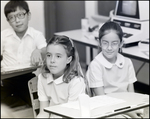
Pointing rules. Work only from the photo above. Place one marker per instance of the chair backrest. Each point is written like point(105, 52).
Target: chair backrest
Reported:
point(32, 85)
point(87, 89)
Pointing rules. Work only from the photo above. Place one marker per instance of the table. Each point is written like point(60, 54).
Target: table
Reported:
point(135, 53)
point(134, 100)
point(17, 72)
point(78, 36)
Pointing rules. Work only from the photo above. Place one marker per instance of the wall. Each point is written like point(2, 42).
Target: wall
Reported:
point(103, 10)
point(37, 15)
point(68, 17)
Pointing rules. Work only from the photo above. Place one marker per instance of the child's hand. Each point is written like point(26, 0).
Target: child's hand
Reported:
point(134, 114)
point(140, 113)
point(36, 58)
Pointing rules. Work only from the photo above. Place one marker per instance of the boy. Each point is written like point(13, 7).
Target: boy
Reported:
point(19, 45)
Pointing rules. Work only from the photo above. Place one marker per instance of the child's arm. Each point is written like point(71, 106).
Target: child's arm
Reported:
point(44, 102)
point(37, 56)
point(130, 88)
point(133, 114)
point(76, 87)
point(42, 113)
point(98, 91)
point(43, 52)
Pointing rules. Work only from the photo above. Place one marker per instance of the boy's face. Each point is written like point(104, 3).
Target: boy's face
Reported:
point(110, 44)
point(19, 25)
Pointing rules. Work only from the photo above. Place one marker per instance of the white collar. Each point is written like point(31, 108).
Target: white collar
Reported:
point(56, 81)
point(29, 32)
point(119, 62)
point(12, 32)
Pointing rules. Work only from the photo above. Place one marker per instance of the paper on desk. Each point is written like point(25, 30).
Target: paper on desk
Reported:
point(84, 104)
point(95, 102)
point(144, 46)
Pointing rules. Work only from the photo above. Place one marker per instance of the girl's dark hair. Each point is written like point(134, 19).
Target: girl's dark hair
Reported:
point(73, 68)
point(108, 26)
point(11, 6)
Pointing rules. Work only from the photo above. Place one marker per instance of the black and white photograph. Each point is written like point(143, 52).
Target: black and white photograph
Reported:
point(75, 59)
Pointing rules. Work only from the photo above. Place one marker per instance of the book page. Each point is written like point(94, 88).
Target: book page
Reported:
point(96, 102)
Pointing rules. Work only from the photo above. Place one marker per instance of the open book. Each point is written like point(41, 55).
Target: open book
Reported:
point(95, 102)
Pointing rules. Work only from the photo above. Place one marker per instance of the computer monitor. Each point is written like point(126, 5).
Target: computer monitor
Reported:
point(132, 10)
point(128, 9)
point(133, 17)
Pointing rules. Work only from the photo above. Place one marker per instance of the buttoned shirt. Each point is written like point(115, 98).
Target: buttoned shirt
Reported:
point(18, 51)
point(113, 77)
point(58, 92)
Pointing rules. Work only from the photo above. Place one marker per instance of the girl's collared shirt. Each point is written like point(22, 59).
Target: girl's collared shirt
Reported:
point(113, 77)
point(58, 92)
point(17, 51)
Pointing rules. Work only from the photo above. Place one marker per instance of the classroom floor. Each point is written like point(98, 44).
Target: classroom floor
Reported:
point(23, 112)
point(17, 112)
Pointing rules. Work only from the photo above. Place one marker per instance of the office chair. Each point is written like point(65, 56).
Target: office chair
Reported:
point(32, 85)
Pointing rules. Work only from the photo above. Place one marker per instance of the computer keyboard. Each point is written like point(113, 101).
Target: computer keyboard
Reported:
point(127, 35)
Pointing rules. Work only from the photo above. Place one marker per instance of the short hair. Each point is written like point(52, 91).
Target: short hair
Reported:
point(11, 6)
point(108, 26)
point(73, 68)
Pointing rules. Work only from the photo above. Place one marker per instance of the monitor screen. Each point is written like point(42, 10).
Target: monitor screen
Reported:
point(128, 9)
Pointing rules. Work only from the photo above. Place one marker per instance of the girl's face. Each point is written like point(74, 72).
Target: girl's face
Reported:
point(110, 44)
point(19, 25)
point(57, 59)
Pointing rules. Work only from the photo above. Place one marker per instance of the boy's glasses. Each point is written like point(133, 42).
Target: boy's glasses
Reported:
point(114, 44)
point(12, 18)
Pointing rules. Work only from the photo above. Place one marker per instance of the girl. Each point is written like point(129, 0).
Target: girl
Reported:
point(111, 72)
point(61, 80)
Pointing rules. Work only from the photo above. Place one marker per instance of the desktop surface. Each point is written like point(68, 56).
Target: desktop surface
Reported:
point(78, 36)
point(88, 39)
point(131, 101)
point(15, 71)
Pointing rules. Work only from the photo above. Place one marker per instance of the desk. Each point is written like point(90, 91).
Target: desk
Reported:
point(17, 72)
point(78, 36)
point(135, 53)
point(135, 100)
